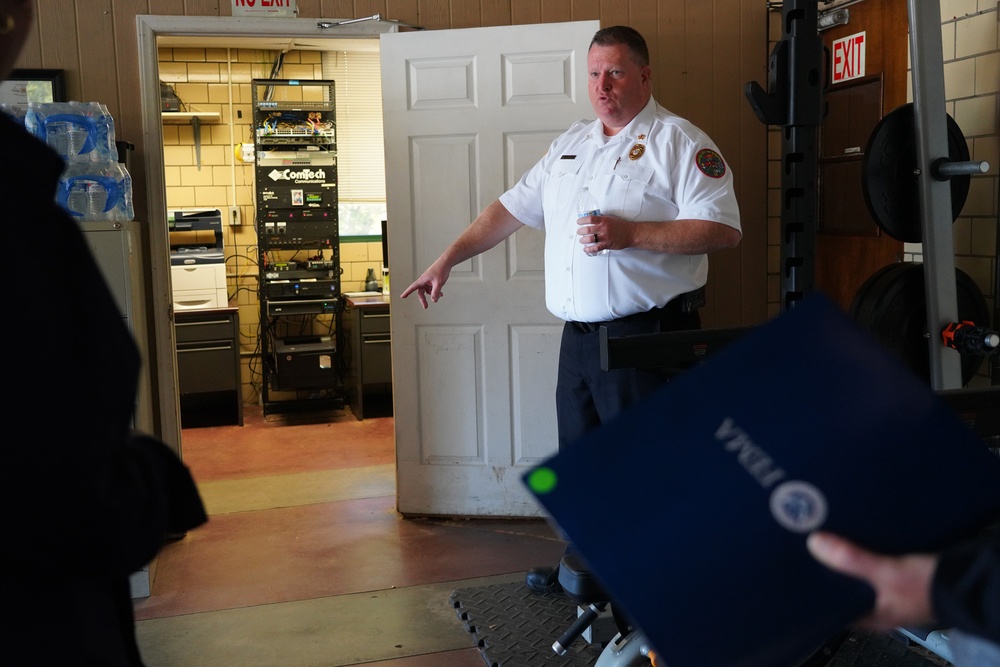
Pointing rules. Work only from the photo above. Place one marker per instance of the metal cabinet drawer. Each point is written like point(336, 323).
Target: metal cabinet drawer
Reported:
point(206, 367)
point(373, 320)
point(376, 358)
point(204, 330)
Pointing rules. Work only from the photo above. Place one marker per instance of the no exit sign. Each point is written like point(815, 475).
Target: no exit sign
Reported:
point(849, 58)
point(264, 8)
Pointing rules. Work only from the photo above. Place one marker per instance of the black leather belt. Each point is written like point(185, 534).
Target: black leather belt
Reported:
point(685, 304)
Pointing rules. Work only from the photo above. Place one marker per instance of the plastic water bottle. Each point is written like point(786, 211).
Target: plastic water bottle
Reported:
point(587, 206)
point(120, 207)
point(125, 210)
point(78, 200)
point(105, 148)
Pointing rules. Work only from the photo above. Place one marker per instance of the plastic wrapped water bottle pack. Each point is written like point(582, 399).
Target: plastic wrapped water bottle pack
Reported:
point(94, 186)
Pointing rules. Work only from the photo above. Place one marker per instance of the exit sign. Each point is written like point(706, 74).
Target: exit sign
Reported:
point(264, 8)
point(849, 58)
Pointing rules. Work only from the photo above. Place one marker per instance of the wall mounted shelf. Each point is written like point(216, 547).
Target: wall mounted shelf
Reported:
point(195, 119)
point(188, 117)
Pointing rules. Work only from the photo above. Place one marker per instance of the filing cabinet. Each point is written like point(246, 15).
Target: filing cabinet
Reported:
point(367, 333)
point(208, 366)
point(117, 249)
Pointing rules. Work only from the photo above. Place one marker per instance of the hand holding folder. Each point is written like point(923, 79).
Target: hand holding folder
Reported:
point(804, 423)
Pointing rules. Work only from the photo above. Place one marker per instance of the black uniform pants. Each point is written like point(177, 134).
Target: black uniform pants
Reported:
point(586, 396)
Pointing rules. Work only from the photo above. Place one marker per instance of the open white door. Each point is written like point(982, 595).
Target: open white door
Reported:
point(466, 112)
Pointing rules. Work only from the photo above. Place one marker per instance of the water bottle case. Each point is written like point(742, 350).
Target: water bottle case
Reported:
point(76, 131)
point(109, 184)
point(94, 186)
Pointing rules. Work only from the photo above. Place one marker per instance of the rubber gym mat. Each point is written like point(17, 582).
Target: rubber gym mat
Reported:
point(514, 627)
point(863, 649)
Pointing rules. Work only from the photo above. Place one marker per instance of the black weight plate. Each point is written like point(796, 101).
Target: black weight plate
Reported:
point(870, 296)
point(892, 306)
point(889, 181)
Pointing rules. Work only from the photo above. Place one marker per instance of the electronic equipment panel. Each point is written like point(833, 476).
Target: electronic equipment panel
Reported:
point(298, 241)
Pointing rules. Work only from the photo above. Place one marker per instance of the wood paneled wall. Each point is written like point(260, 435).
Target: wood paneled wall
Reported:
point(703, 52)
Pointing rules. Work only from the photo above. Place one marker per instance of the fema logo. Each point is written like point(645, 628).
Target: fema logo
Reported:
point(798, 506)
point(710, 163)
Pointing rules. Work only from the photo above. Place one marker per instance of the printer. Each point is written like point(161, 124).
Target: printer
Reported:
point(197, 259)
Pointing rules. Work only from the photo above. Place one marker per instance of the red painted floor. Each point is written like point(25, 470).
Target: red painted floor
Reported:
point(260, 448)
point(247, 559)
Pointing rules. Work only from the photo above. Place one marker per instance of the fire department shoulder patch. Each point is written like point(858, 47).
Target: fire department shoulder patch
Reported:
point(710, 163)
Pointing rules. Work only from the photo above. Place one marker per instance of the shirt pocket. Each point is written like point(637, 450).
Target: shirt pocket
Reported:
point(562, 185)
point(627, 189)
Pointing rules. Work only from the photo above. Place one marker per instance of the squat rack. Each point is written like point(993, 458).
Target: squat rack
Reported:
point(935, 192)
point(795, 102)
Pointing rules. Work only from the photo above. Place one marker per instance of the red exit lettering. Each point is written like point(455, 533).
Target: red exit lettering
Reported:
point(849, 58)
point(263, 3)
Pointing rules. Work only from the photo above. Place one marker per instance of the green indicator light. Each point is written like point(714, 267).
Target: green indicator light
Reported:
point(542, 480)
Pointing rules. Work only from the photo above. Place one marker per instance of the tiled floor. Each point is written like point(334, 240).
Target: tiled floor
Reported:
point(304, 560)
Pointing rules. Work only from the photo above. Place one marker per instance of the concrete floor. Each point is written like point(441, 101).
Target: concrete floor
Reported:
point(304, 560)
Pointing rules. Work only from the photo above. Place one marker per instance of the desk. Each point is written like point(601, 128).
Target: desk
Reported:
point(369, 357)
point(208, 366)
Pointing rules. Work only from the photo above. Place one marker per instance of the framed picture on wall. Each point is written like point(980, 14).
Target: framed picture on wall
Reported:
point(33, 85)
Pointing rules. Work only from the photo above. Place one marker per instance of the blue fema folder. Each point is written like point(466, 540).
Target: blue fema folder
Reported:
point(693, 506)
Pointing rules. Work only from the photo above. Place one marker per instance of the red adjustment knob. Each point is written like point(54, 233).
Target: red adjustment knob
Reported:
point(968, 338)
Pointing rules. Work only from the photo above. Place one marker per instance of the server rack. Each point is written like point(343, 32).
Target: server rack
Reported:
point(295, 176)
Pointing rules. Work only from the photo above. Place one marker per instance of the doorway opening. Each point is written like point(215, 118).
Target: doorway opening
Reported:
point(198, 160)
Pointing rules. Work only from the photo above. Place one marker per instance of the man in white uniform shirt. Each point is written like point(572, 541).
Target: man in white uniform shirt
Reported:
point(666, 199)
